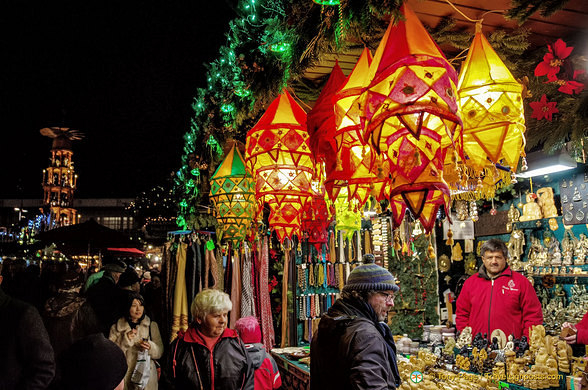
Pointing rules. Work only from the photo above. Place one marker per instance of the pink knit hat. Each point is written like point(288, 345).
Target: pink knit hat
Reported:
point(248, 329)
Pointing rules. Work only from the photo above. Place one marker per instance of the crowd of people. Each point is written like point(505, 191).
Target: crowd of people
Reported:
point(65, 330)
point(98, 333)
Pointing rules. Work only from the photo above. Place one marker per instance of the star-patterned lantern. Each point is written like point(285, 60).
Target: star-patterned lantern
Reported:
point(232, 190)
point(412, 87)
point(410, 113)
point(357, 166)
point(278, 154)
point(423, 197)
point(491, 104)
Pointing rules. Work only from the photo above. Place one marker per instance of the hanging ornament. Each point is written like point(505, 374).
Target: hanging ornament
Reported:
point(233, 193)
point(449, 240)
point(348, 216)
point(493, 210)
point(474, 211)
point(431, 250)
point(461, 209)
point(279, 156)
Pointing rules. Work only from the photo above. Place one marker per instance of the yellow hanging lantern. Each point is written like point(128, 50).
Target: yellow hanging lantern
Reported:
point(348, 215)
point(233, 194)
point(279, 156)
point(357, 165)
point(491, 105)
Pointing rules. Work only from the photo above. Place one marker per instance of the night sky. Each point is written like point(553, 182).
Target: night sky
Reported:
point(122, 72)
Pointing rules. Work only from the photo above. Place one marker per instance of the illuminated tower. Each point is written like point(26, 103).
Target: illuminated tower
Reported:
point(59, 179)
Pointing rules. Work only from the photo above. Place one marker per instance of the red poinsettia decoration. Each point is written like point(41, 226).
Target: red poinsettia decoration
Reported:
point(571, 87)
point(543, 109)
point(553, 60)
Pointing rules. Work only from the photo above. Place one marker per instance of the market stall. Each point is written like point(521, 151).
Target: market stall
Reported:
point(409, 160)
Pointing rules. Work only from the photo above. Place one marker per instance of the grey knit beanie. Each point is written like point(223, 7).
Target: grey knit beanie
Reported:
point(370, 276)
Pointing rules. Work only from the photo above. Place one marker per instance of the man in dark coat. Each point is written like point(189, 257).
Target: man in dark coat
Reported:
point(26, 356)
point(68, 317)
point(106, 298)
point(353, 347)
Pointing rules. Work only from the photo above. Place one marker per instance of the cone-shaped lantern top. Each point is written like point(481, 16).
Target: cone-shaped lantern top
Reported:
point(232, 165)
point(283, 112)
point(347, 96)
point(405, 39)
point(321, 119)
point(483, 67)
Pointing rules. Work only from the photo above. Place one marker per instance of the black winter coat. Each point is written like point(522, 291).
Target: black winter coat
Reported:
point(68, 317)
point(231, 367)
point(349, 352)
point(107, 300)
point(26, 356)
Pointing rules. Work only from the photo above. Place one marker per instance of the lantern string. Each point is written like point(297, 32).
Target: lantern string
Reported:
point(498, 11)
point(298, 99)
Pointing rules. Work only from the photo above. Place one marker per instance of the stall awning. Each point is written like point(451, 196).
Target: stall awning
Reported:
point(127, 251)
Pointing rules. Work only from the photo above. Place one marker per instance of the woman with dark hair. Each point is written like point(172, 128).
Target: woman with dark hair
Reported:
point(136, 332)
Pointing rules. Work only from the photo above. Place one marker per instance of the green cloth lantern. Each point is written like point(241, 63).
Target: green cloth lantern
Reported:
point(232, 190)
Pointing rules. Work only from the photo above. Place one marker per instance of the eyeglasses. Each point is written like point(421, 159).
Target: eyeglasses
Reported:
point(389, 297)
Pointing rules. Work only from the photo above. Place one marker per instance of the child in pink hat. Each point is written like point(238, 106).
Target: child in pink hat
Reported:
point(267, 376)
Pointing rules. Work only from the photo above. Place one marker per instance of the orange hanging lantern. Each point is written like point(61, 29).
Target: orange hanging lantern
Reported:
point(412, 87)
point(357, 166)
point(491, 104)
point(278, 154)
point(233, 194)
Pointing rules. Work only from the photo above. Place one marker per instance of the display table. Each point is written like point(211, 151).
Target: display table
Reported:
point(295, 375)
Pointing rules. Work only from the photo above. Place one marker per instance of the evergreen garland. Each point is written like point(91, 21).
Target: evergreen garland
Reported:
point(523, 9)
point(416, 302)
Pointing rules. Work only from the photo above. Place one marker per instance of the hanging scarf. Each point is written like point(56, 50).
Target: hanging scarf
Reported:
point(180, 312)
point(247, 304)
point(235, 287)
point(267, 326)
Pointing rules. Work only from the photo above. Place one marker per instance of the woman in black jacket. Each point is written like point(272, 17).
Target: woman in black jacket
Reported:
point(210, 356)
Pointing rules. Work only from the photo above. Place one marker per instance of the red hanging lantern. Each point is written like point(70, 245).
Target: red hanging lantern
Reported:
point(410, 113)
point(423, 196)
point(317, 217)
point(321, 120)
point(412, 87)
point(278, 154)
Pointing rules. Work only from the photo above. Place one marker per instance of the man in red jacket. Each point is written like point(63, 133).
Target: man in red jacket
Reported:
point(580, 335)
point(497, 297)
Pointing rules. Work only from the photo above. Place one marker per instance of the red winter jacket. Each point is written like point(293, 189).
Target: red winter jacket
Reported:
point(267, 375)
point(582, 328)
point(507, 302)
